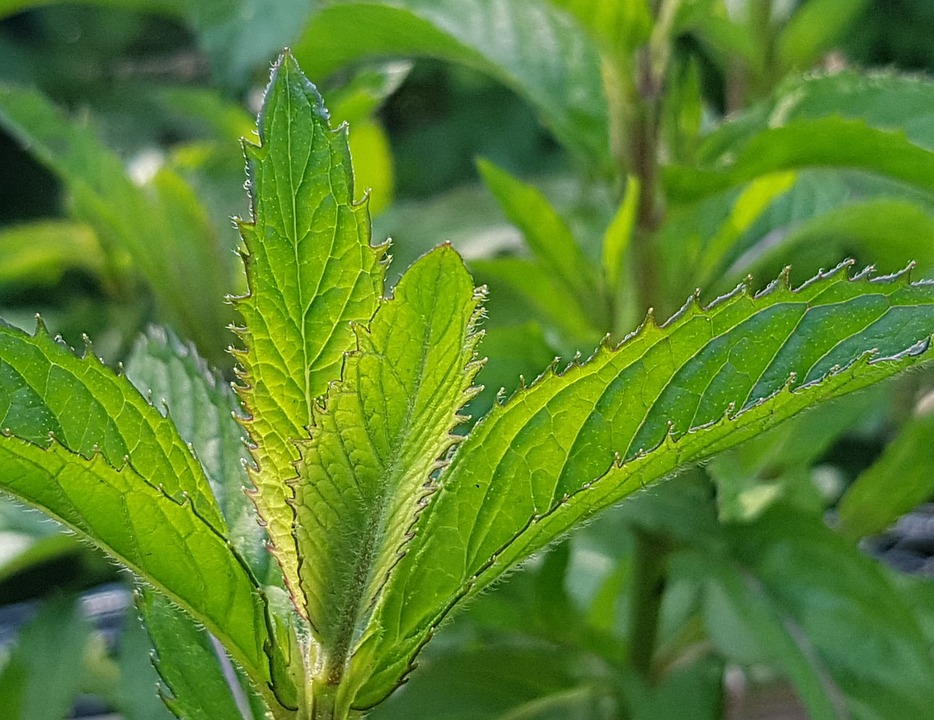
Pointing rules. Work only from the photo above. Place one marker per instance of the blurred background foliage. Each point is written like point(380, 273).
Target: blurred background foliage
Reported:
point(525, 148)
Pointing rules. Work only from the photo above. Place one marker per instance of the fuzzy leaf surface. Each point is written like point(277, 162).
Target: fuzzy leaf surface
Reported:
point(311, 272)
point(160, 539)
point(577, 442)
point(45, 389)
point(83, 445)
point(386, 426)
point(205, 410)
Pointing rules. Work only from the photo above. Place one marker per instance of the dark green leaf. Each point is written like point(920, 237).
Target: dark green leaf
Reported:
point(534, 48)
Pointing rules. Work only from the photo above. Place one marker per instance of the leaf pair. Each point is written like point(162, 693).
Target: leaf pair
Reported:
point(380, 528)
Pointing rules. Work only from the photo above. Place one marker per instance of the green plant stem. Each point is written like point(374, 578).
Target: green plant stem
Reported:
point(648, 586)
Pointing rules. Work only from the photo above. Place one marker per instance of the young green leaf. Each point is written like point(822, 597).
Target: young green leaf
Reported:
point(311, 272)
point(577, 442)
point(385, 428)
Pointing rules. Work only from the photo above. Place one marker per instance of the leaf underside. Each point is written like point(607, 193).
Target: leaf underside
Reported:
point(311, 272)
point(577, 442)
point(384, 430)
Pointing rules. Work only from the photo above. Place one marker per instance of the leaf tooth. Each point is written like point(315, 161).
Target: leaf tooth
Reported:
point(901, 276)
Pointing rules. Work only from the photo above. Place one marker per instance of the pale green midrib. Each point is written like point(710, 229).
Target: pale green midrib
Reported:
point(306, 369)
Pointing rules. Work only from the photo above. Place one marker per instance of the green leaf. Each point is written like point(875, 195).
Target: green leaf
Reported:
point(42, 674)
point(501, 37)
point(41, 252)
point(136, 695)
point(900, 480)
point(159, 228)
point(242, 35)
point(578, 442)
point(236, 35)
point(618, 25)
point(887, 232)
point(825, 142)
point(205, 412)
point(778, 465)
point(83, 445)
point(383, 432)
point(528, 680)
point(801, 591)
point(816, 27)
point(885, 101)
point(162, 541)
point(311, 272)
point(190, 664)
point(47, 392)
point(548, 236)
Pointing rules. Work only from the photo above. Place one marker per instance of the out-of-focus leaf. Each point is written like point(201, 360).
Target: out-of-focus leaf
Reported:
point(887, 232)
point(241, 35)
point(692, 691)
point(373, 165)
point(814, 29)
point(777, 465)
point(136, 694)
point(618, 235)
point(550, 300)
point(534, 680)
point(886, 101)
point(811, 605)
point(159, 229)
point(43, 673)
point(40, 253)
point(513, 352)
point(747, 208)
point(238, 36)
point(901, 479)
point(534, 48)
point(825, 142)
point(618, 25)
